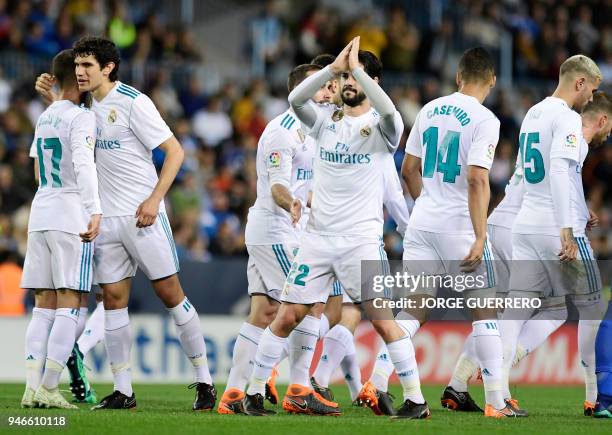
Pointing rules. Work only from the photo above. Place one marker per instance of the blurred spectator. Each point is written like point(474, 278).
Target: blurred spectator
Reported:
point(120, 29)
point(373, 37)
point(268, 35)
point(400, 53)
point(212, 124)
point(11, 294)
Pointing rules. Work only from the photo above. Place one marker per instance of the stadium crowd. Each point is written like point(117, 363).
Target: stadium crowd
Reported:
point(219, 131)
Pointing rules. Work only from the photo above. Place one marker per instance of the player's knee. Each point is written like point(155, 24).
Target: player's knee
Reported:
point(262, 317)
point(386, 329)
point(169, 291)
point(114, 299)
point(45, 299)
point(288, 318)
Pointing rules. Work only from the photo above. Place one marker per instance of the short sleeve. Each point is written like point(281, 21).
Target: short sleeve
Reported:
point(33, 150)
point(278, 155)
point(147, 124)
point(413, 144)
point(567, 135)
point(482, 149)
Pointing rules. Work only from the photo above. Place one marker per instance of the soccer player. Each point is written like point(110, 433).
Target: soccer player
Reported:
point(135, 231)
point(540, 326)
point(543, 243)
point(452, 145)
point(345, 224)
point(64, 221)
point(284, 173)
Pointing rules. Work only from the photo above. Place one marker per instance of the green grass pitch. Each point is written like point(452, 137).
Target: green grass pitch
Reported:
point(166, 409)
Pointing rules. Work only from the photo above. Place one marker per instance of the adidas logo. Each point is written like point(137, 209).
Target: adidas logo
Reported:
point(583, 363)
point(324, 358)
point(30, 358)
point(486, 372)
point(87, 332)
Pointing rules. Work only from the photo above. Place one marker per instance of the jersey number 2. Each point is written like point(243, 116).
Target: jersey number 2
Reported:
point(442, 159)
point(54, 144)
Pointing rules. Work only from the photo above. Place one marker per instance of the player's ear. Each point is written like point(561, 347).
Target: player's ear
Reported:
point(493, 81)
point(458, 79)
point(108, 68)
point(580, 83)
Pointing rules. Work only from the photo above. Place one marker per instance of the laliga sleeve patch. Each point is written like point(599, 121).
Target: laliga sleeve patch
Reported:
point(90, 142)
point(491, 151)
point(571, 141)
point(274, 159)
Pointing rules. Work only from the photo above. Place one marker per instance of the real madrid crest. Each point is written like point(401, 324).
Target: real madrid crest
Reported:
point(365, 131)
point(337, 115)
point(301, 135)
point(112, 116)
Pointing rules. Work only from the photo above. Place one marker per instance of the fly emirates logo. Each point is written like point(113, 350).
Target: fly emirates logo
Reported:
point(341, 155)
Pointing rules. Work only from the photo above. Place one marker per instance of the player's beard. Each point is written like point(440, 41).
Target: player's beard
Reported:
point(353, 101)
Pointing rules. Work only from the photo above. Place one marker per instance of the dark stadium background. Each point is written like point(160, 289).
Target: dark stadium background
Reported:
point(216, 70)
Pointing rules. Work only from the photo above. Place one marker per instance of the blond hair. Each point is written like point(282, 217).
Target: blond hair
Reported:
point(601, 103)
point(579, 64)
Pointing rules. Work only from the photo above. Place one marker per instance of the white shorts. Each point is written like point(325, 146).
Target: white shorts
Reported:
point(501, 247)
point(440, 254)
point(268, 268)
point(122, 248)
point(536, 267)
point(323, 259)
point(57, 260)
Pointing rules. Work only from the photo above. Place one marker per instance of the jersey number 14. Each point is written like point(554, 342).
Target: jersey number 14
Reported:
point(53, 144)
point(444, 158)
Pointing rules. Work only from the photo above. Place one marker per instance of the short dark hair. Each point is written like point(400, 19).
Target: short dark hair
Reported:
point(323, 60)
point(476, 65)
point(601, 103)
point(371, 64)
point(299, 73)
point(62, 68)
point(103, 50)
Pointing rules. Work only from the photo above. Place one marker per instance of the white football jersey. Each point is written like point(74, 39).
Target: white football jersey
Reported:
point(580, 210)
point(450, 134)
point(550, 130)
point(64, 144)
point(129, 127)
point(349, 165)
point(504, 214)
point(284, 156)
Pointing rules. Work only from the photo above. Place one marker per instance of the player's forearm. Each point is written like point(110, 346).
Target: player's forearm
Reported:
point(282, 197)
point(377, 96)
point(172, 164)
point(560, 191)
point(398, 210)
point(478, 202)
point(87, 183)
point(299, 98)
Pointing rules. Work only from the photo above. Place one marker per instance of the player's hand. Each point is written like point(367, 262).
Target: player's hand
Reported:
point(296, 211)
point(474, 257)
point(44, 87)
point(340, 64)
point(147, 212)
point(569, 248)
point(93, 229)
point(593, 220)
point(353, 57)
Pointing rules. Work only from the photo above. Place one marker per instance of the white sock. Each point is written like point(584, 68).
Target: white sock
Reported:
point(61, 342)
point(36, 338)
point(408, 323)
point(351, 370)
point(118, 341)
point(268, 355)
point(510, 330)
point(587, 331)
point(243, 355)
point(82, 319)
point(94, 330)
point(402, 354)
point(489, 351)
point(323, 325)
point(190, 336)
point(302, 343)
point(466, 366)
point(536, 330)
point(383, 369)
point(334, 351)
